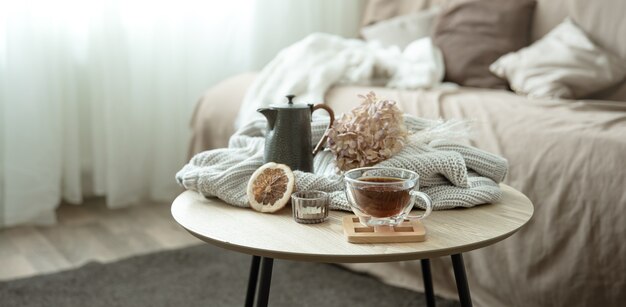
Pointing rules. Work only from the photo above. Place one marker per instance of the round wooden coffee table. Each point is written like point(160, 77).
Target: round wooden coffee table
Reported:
point(277, 236)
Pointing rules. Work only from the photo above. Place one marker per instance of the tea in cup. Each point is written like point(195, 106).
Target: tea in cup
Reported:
point(384, 196)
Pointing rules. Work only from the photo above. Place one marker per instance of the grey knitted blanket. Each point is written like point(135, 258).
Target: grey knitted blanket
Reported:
point(452, 174)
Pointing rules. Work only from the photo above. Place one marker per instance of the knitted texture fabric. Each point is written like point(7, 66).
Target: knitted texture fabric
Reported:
point(452, 174)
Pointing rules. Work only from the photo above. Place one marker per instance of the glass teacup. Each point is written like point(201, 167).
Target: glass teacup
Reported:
point(383, 196)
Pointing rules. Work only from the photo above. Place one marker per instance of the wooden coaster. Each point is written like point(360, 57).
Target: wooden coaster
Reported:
point(407, 231)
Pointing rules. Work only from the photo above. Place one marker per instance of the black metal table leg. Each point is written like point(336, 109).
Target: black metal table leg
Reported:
point(265, 281)
point(461, 280)
point(428, 283)
point(252, 281)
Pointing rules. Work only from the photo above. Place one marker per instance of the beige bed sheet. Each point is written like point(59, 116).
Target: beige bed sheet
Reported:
point(568, 157)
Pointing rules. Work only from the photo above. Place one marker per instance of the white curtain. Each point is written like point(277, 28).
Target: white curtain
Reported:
point(96, 95)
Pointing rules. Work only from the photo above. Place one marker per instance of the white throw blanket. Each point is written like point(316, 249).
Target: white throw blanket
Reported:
point(453, 175)
point(311, 66)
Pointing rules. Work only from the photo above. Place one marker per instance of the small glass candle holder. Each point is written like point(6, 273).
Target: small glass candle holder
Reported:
point(309, 207)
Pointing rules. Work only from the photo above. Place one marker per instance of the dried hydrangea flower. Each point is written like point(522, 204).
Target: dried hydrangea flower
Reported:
point(370, 133)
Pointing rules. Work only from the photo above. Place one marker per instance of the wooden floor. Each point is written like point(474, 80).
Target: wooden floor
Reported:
point(89, 232)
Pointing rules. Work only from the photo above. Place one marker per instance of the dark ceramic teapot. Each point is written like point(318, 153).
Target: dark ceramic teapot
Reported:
point(288, 138)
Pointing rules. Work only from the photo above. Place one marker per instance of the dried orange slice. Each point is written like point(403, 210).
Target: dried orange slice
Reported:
point(270, 187)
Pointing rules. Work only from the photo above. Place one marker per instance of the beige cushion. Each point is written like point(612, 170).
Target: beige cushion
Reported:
point(563, 64)
point(473, 34)
point(401, 30)
point(602, 20)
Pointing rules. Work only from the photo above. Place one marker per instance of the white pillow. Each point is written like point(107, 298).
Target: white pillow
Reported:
point(562, 64)
point(402, 30)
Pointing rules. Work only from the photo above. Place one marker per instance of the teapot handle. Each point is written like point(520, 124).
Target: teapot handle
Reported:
point(330, 124)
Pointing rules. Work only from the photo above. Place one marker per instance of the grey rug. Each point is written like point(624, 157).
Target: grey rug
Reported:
point(202, 276)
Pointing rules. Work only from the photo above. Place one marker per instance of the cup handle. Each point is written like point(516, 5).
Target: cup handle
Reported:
point(427, 200)
point(330, 124)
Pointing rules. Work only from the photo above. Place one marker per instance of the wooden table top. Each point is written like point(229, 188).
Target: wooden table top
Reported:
point(279, 236)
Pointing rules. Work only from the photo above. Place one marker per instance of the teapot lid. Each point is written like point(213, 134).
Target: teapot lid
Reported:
point(290, 104)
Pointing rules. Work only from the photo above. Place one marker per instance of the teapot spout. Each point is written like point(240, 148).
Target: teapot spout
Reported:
point(270, 115)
